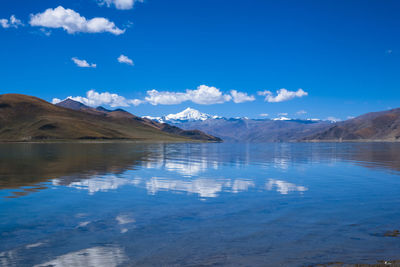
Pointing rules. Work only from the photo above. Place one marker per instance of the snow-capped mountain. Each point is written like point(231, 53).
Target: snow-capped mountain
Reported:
point(243, 129)
point(187, 115)
point(282, 119)
point(193, 115)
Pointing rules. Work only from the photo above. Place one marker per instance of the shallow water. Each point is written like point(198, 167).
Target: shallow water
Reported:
point(198, 204)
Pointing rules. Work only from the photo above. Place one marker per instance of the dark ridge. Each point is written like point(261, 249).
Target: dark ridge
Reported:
point(41, 137)
point(48, 127)
point(93, 138)
point(100, 108)
point(120, 109)
point(3, 105)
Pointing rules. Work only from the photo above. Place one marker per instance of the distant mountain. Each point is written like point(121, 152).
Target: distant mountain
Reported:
point(375, 126)
point(71, 104)
point(244, 129)
point(27, 118)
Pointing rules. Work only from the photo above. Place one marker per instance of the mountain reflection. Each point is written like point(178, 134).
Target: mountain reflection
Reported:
point(29, 166)
point(95, 167)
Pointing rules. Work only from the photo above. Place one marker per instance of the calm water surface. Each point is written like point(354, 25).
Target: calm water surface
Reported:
point(198, 204)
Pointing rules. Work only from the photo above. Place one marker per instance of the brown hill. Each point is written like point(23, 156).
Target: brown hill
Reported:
point(374, 126)
point(122, 114)
point(27, 118)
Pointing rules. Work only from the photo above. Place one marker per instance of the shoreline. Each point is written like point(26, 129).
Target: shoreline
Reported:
point(179, 141)
point(103, 141)
point(349, 141)
point(379, 263)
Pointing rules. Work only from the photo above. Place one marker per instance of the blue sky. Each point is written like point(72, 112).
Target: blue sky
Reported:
point(344, 55)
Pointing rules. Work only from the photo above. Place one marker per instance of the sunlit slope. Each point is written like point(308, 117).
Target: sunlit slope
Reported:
point(27, 118)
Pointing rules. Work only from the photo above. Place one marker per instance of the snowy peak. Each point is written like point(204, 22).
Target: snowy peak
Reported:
point(188, 114)
point(282, 119)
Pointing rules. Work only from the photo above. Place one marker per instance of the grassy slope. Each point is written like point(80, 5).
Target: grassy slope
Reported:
point(26, 118)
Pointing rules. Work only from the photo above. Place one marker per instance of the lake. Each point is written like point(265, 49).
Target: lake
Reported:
point(128, 204)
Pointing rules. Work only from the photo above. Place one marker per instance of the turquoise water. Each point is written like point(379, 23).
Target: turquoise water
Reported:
point(198, 204)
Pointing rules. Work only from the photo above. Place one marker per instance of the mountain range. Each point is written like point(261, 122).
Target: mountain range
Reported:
point(375, 126)
point(243, 129)
point(28, 118)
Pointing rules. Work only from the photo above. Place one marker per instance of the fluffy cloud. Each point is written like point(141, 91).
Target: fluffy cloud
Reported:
point(264, 115)
point(13, 22)
point(155, 97)
point(239, 97)
point(4, 23)
point(56, 100)
point(73, 22)
point(83, 63)
point(282, 95)
point(94, 99)
point(120, 4)
point(204, 95)
point(301, 112)
point(125, 59)
point(135, 102)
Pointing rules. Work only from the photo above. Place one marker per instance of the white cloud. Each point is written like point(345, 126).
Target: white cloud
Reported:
point(282, 95)
point(204, 95)
point(4, 23)
point(73, 22)
point(120, 4)
point(94, 99)
point(13, 22)
point(264, 115)
point(283, 114)
point(207, 95)
point(83, 63)
point(135, 102)
point(125, 59)
point(155, 97)
point(239, 97)
point(56, 101)
point(301, 112)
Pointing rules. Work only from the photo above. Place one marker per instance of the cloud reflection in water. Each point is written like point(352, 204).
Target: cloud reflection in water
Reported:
point(91, 257)
point(203, 187)
point(284, 187)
